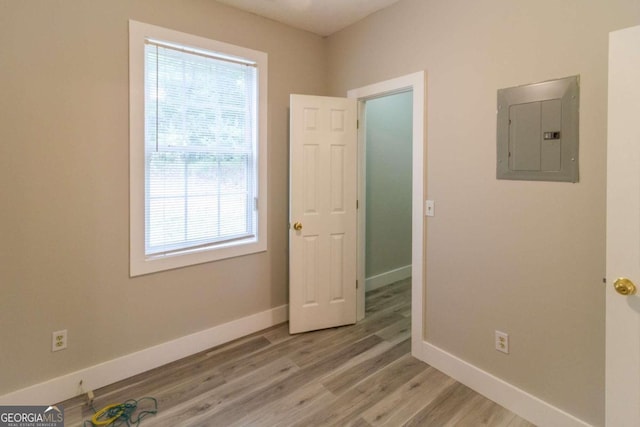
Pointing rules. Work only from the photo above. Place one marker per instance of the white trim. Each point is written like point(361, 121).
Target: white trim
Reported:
point(416, 83)
point(387, 278)
point(66, 386)
point(140, 263)
point(362, 212)
point(514, 399)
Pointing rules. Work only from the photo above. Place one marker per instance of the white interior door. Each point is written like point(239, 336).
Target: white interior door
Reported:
point(322, 231)
point(623, 230)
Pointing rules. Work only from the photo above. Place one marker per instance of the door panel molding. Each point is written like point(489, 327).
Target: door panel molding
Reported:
point(322, 250)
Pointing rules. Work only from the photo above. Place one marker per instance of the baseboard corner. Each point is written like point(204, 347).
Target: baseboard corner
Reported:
point(516, 400)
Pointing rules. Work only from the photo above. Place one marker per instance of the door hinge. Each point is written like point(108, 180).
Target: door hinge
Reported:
point(256, 202)
point(357, 204)
point(356, 284)
point(357, 124)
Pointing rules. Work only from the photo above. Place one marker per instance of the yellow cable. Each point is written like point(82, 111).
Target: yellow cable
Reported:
point(104, 410)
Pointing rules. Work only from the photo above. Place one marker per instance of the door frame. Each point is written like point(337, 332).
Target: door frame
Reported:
point(415, 82)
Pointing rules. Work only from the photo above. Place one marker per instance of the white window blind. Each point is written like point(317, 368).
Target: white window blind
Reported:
point(200, 149)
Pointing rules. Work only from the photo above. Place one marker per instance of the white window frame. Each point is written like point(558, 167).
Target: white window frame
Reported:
point(139, 262)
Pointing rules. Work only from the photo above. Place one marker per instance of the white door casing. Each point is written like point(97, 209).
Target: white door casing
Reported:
point(415, 82)
point(323, 191)
point(623, 229)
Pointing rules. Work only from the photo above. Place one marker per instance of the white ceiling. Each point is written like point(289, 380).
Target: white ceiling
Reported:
point(323, 17)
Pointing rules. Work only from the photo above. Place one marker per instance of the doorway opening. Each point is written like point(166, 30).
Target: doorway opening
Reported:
point(415, 84)
point(387, 132)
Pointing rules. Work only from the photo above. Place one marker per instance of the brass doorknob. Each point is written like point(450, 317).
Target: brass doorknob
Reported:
point(297, 226)
point(624, 286)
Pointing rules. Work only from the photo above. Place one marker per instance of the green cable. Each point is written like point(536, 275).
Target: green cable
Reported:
point(124, 413)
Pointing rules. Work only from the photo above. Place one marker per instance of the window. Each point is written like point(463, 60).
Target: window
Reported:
point(197, 149)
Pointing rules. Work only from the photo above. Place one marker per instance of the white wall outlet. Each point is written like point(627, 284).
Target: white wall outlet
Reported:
point(59, 340)
point(430, 208)
point(502, 342)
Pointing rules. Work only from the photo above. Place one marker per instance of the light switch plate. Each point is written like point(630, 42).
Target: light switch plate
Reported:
point(430, 208)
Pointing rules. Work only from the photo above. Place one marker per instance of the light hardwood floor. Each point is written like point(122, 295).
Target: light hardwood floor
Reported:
point(359, 375)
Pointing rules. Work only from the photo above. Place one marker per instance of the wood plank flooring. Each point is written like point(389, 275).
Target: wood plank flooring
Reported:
point(359, 375)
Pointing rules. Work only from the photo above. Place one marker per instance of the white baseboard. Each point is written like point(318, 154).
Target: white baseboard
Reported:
point(387, 278)
point(514, 399)
point(93, 377)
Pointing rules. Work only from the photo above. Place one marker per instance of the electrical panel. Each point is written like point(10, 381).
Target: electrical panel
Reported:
point(537, 132)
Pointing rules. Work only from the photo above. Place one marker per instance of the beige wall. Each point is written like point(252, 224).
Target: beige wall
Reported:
point(526, 258)
point(64, 220)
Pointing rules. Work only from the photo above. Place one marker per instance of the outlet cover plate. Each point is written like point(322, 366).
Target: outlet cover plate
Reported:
point(59, 340)
point(502, 342)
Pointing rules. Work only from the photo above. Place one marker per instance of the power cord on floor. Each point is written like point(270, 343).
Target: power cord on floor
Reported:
point(121, 414)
